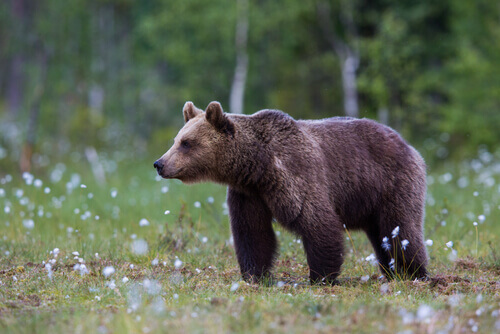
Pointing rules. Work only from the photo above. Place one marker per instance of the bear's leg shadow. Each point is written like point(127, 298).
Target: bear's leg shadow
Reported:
point(325, 252)
point(254, 239)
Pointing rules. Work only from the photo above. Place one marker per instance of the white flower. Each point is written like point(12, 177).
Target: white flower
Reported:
point(204, 240)
point(453, 255)
point(404, 243)
point(429, 242)
point(372, 259)
point(38, 183)
point(97, 298)
point(210, 199)
point(449, 244)
point(83, 186)
point(46, 190)
point(114, 192)
point(234, 287)
point(143, 222)
point(81, 268)
point(108, 271)
point(152, 287)
point(28, 178)
point(76, 254)
point(424, 312)
point(139, 246)
point(29, 224)
point(385, 244)
point(48, 267)
point(177, 263)
point(395, 232)
point(125, 279)
point(154, 262)
point(167, 212)
point(391, 264)
point(474, 223)
point(197, 204)
point(481, 218)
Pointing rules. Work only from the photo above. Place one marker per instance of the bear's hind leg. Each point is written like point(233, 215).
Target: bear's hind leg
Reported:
point(407, 249)
point(411, 257)
point(383, 255)
point(325, 254)
point(254, 239)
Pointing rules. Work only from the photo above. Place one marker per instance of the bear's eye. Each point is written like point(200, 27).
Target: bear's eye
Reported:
point(185, 145)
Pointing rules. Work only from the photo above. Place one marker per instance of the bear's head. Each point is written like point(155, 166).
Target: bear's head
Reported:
point(198, 148)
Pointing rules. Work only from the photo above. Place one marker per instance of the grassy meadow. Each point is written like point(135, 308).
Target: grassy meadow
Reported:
point(136, 254)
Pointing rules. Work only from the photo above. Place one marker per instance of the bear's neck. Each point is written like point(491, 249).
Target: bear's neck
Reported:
point(246, 165)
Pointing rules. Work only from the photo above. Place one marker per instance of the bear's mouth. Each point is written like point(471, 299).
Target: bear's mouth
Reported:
point(166, 174)
point(166, 171)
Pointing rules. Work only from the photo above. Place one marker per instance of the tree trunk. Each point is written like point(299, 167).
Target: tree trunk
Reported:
point(347, 54)
point(15, 81)
point(237, 95)
point(349, 65)
point(29, 144)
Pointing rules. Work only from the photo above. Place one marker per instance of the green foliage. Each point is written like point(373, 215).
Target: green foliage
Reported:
point(474, 76)
point(194, 40)
point(432, 67)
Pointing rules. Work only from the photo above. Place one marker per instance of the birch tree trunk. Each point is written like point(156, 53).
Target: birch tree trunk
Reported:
point(16, 75)
point(29, 144)
point(237, 96)
point(347, 54)
point(349, 67)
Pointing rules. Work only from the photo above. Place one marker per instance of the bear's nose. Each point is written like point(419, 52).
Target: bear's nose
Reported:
point(158, 165)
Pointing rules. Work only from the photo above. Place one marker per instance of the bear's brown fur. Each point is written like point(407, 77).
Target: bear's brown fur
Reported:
point(316, 178)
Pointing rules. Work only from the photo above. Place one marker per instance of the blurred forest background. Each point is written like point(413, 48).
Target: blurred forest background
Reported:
point(112, 75)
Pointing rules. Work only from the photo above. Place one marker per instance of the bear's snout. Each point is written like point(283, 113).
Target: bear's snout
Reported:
point(158, 165)
point(165, 169)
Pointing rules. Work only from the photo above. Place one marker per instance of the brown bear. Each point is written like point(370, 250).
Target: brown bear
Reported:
point(315, 177)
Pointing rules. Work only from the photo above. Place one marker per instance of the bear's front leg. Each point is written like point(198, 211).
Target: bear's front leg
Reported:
point(253, 234)
point(324, 250)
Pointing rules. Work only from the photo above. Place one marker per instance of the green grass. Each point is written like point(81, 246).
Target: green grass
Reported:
point(205, 293)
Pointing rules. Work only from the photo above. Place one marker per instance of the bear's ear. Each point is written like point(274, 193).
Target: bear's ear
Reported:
point(216, 117)
point(190, 111)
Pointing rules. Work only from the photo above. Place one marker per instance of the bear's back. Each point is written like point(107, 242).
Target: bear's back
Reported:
point(359, 136)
